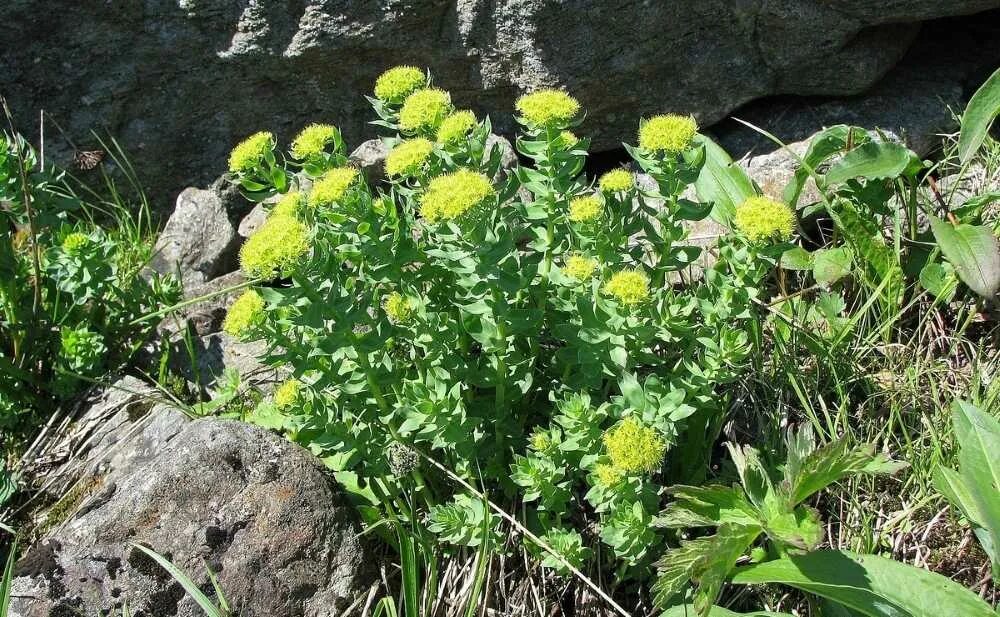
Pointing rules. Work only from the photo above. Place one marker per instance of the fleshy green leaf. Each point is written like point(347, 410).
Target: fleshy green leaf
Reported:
point(979, 114)
point(722, 182)
point(872, 585)
point(939, 280)
point(974, 251)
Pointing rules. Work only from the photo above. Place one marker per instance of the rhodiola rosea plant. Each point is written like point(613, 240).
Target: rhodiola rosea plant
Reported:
point(518, 326)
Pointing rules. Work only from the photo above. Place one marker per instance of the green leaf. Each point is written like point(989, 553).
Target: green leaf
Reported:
point(832, 463)
point(824, 144)
point(722, 182)
point(873, 160)
point(8, 578)
point(979, 114)
point(866, 240)
point(676, 566)
point(796, 258)
point(831, 265)
point(705, 506)
point(939, 280)
point(973, 251)
point(872, 585)
point(731, 542)
point(686, 610)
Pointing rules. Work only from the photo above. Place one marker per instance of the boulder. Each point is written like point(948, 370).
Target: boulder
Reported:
point(205, 316)
point(369, 157)
point(257, 510)
point(180, 82)
point(198, 241)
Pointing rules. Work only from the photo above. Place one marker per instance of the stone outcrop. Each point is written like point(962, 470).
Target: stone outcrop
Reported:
point(255, 508)
point(180, 82)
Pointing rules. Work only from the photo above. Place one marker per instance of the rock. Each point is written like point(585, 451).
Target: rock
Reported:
point(773, 171)
point(508, 157)
point(369, 157)
point(252, 221)
point(204, 317)
point(181, 82)
point(259, 511)
point(199, 241)
point(218, 354)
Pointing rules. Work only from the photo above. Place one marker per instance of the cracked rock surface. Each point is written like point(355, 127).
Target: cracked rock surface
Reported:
point(257, 509)
point(179, 82)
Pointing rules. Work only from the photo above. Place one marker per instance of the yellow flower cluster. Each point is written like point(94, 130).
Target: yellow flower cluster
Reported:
point(313, 139)
point(547, 108)
point(540, 441)
point(248, 154)
point(331, 188)
point(630, 287)
point(398, 308)
point(608, 475)
point(290, 204)
point(762, 218)
point(633, 447)
point(287, 394)
point(424, 110)
point(669, 133)
point(456, 126)
point(451, 196)
point(407, 158)
point(568, 139)
point(585, 209)
point(75, 242)
point(580, 267)
point(397, 83)
point(244, 314)
point(616, 180)
point(275, 248)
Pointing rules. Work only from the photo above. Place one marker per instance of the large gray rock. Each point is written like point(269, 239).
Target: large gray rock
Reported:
point(258, 510)
point(180, 82)
point(199, 241)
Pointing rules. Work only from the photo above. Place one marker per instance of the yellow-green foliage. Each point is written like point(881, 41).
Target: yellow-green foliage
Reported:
point(397, 83)
point(452, 196)
point(248, 154)
point(275, 248)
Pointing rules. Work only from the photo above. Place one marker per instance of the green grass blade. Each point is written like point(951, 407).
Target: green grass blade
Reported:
point(8, 579)
point(211, 610)
point(409, 572)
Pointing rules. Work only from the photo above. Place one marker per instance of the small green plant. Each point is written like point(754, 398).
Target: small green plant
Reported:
point(69, 289)
point(768, 502)
point(517, 325)
point(973, 488)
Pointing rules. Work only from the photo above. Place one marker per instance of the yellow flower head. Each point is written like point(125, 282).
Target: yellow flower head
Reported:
point(569, 139)
point(456, 126)
point(74, 243)
point(585, 209)
point(616, 180)
point(633, 447)
point(398, 308)
point(248, 154)
point(313, 139)
point(630, 287)
point(540, 441)
point(608, 475)
point(762, 218)
point(407, 158)
point(287, 394)
point(290, 204)
point(275, 248)
point(451, 196)
point(397, 83)
point(547, 108)
point(246, 313)
point(424, 110)
point(331, 188)
point(580, 267)
point(670, 133)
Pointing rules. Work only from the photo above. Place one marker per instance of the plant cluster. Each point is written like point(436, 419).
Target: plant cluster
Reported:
point(518, 326)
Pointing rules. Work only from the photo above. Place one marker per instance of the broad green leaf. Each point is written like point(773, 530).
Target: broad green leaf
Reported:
point(753, 474)
point(831, 265)
point(979, 114)
point(973, 251)
point(939, 280)
point(686, 610)
point(873, 160)
point(722, 182)
point(872, 585)
point(824, 145)
point(796, 258)
point(978, 436)
point(731, 542)
point(952, 485)
point(705, 506)
point(676, 566)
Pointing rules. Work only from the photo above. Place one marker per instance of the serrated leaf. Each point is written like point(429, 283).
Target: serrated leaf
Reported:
point(983, 107)
point(834, 462)
point(730, 542)
point(973, 251)
point(705, 506)
point(873, 160)
point(675, 567)
point(872, 585)
point(686, 610)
